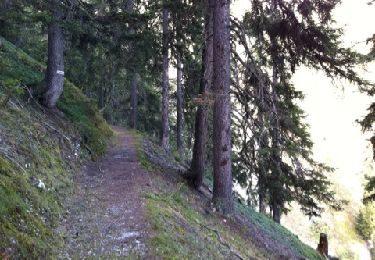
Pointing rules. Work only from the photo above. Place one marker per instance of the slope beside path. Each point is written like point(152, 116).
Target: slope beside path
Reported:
point(107, 212)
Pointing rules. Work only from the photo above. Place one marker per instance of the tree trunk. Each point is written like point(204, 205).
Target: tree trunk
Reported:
point(263, 144)
point(134, 101)
point(276, 154)
point(323, 245)
point(164, 142)
point(222, 163)
point(262, 192)
point(55, 65)
point(180, 109)
point(201, 117)
point(277, 191)
point(130, 8)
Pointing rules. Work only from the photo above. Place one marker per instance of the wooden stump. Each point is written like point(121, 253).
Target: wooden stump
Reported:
point(323, 245)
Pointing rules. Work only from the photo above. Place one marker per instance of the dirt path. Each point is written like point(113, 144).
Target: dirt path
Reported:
point(107, 213)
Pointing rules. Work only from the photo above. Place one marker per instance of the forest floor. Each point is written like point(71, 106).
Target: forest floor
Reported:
point(127, 206)
point(107, 215)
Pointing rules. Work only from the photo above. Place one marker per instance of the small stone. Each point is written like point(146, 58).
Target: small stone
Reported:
point(41, 184)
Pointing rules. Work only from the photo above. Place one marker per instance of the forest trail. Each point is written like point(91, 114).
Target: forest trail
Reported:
point(107, 215)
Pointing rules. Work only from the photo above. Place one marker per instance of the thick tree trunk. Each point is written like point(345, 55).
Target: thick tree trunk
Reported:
point(180, 109)
point(201, 118)
point(55, 65)
point(164, 142)
point(134, 101)
point(323, 245)
point(222, 163)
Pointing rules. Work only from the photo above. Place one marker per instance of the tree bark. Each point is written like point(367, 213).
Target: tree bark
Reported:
point(276, 193)
point(55, 65)
point(133, 118)
point(323, 245)
point(222, 163)
point(276, 154)
point(201, 118)
point(180, 108)
point(164, 142)
point(134, 101)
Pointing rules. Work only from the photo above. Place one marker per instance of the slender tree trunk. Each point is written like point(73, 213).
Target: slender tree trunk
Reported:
point(262, 194)
point(180, 109)
point(263, 144)
point(201, 117)
point(276, 155)
point(133, 118)
point(277, 192)
point(134, 101)
point(164, 142)
point(222, 163)
point(55, 65)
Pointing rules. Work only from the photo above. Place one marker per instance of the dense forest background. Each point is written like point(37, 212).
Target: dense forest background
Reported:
point(124, 53)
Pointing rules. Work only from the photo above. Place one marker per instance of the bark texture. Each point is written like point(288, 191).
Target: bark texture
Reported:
point(134, 101)
point(276, 155)
point(164, 142)
point(222, 163)
point(55, 65)
point(276, 192)
point(180, 108)
point(201, 118)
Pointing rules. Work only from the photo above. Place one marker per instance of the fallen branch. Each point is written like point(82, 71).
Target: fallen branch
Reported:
point(223, 242)
point(4, 153)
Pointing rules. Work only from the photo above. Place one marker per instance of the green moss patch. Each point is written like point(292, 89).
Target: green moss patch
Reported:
point(85, 116)
point(35, 175)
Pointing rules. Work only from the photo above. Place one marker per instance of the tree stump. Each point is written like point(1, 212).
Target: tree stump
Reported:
point(323, 245)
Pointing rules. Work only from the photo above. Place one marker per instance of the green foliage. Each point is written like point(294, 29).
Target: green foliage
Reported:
point(276, 157)
point(365, 221)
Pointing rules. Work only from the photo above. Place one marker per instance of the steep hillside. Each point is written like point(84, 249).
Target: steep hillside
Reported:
point(182, 215)
point(40, 150)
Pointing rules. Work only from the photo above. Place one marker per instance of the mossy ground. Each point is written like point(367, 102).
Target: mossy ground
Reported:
point(20, 74)
point(42, 148)
point(183, 230)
